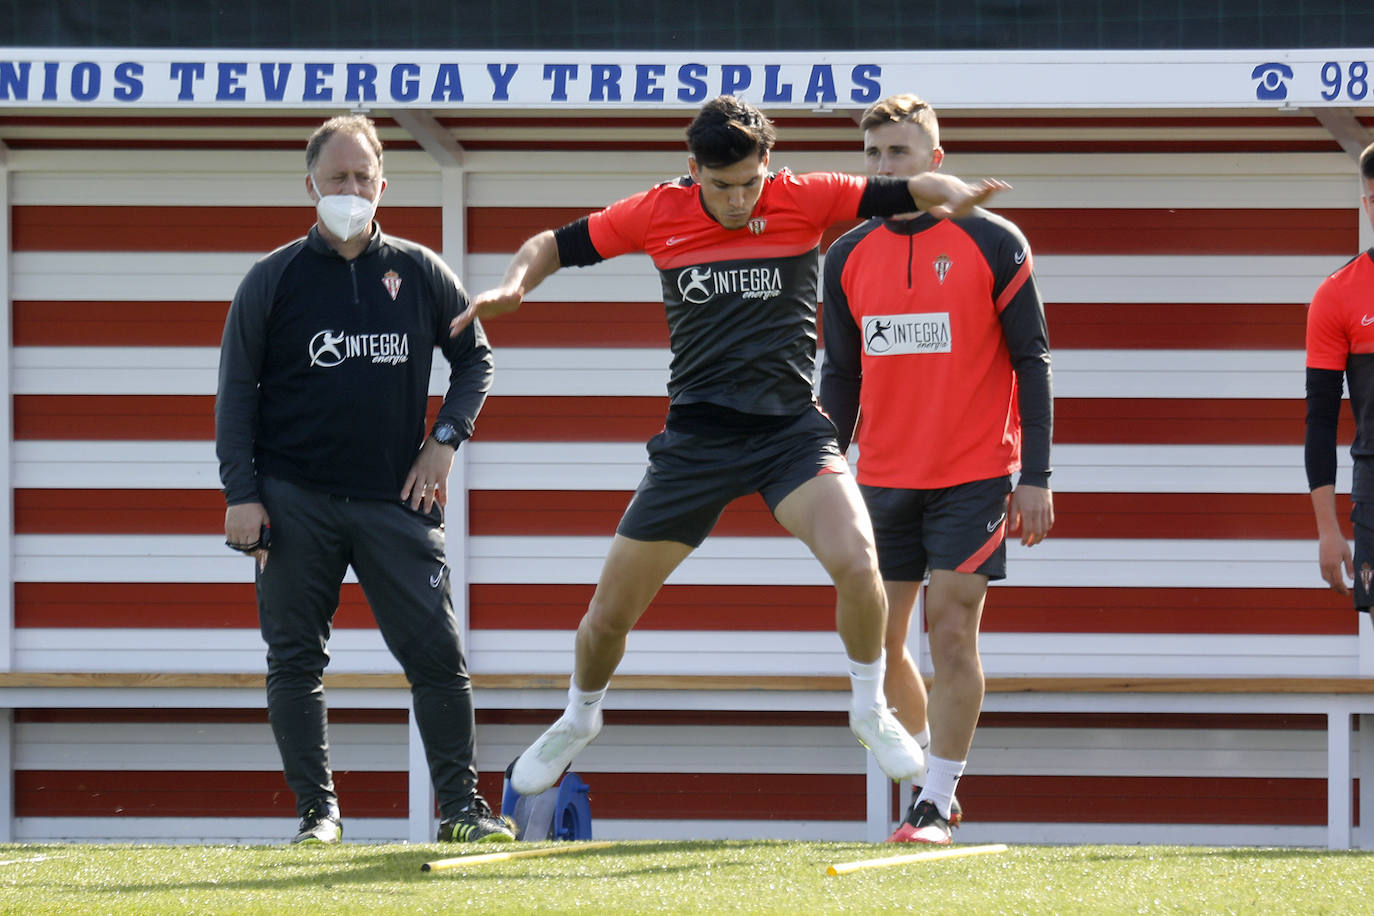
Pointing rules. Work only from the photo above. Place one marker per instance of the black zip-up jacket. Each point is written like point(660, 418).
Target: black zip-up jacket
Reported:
point(325, 365)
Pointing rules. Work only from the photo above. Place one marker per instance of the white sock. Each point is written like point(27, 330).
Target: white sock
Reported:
point(584, 707)
point(941, 778)
point(866, 684)
point(923, 738)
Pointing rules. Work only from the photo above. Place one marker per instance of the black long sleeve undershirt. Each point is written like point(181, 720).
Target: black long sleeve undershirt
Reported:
point(1324, 388)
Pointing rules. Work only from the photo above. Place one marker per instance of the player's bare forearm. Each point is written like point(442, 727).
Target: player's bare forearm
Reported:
point(531, 265)
point(1324, 508)
point(1032, 511)
point(1334, 559)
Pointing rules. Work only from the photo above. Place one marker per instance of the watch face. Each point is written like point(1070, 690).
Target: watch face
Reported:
point(445, 434)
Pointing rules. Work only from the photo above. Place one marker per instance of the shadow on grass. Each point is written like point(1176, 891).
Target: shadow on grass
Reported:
point(1212, 853)
point(343, 866)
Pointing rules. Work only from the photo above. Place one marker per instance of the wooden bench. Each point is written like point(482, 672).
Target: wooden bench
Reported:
point(1339, 699)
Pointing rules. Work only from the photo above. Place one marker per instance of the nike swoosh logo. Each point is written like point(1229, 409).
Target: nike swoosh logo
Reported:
point(675, 240)
point(438, 577)
point(992, 526)
point(1366, 321)
point(1021, 256)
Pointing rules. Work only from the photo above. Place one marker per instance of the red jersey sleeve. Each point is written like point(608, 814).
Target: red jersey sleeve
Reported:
point(826, 197)
point(1328, 341)
point(622, 227)
point(670, 224)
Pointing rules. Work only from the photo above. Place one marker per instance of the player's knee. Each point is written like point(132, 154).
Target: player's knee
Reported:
point(855, 570)
point(604, 620)
point(953, 629)
point(954, 645)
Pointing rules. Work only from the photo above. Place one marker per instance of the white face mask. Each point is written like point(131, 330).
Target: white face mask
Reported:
point(345, 215)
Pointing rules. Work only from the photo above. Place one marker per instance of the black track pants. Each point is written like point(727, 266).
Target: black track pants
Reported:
point(398, 556)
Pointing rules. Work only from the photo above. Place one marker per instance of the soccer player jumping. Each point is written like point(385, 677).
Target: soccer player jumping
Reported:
point(737, 250)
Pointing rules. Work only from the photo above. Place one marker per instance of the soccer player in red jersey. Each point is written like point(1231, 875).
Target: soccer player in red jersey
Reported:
point(935, 338)
point(1340, 347)
point(737, 250)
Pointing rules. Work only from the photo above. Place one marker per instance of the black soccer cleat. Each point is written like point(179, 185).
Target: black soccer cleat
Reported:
point(956, 810)
point(929, 827)
point(477, 824)
point(321, 825)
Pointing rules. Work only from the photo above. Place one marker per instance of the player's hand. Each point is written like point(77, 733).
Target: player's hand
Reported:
point(1337, 565)
point(1032, 512)
point(944, 196)
point(427, 481)
point(243, 527)
point(493, 302)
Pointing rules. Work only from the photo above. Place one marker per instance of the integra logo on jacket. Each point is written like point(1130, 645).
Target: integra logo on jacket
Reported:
point(330, 348)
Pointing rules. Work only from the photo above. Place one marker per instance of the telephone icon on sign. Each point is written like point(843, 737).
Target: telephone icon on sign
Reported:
point(1273, 81)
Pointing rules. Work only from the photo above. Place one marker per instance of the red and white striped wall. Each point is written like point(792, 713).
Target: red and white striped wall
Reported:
point(1176, 255)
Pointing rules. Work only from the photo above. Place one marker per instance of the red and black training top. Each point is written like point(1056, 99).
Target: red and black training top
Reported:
point(740, 303)
point(935, 332)
point(1340, 341)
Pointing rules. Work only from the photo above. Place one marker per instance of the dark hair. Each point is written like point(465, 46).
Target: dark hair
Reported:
point(897, 109)
point(728, 130)
point(358, 124)
point(1367, 163)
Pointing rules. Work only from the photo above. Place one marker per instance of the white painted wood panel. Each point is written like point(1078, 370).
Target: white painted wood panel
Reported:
point(153, 650)
point(185, 178)
point(173, 276)
point(81, 464)
point(637, 372)
point(1123, 562)
point(195, 746)
point(496, 465)
point(1003, 654)
point(1271, 180)
point(1078, 468)
point(203, 830)
point(1058, 562)
point(1198, 752)
point(800, 749)
point(1061, 278)
point(497, 651)
point(592, 179)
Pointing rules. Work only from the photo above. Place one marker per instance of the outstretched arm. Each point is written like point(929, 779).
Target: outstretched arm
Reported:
point(943, 195)
point(532, 265)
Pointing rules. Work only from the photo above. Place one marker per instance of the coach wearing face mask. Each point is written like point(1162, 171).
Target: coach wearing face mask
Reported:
point(326, 463)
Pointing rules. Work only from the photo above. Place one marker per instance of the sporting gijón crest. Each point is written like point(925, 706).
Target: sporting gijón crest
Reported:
point(392, 281)
point(942, 264)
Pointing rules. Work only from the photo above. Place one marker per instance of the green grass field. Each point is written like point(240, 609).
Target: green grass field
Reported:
point(679, 877)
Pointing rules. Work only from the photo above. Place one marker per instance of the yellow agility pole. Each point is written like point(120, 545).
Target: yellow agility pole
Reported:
point(461, 861)
point(844, 868)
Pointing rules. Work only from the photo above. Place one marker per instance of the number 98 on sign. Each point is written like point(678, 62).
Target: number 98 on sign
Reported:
point(1350, 81)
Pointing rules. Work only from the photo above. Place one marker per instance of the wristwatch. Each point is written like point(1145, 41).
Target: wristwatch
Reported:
point(446, 434)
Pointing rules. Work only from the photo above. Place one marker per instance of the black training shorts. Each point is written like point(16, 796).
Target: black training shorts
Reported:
point(960, 528)
point(692, 476)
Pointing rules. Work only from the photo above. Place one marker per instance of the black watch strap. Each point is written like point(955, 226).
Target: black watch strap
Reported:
point(446, 434)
